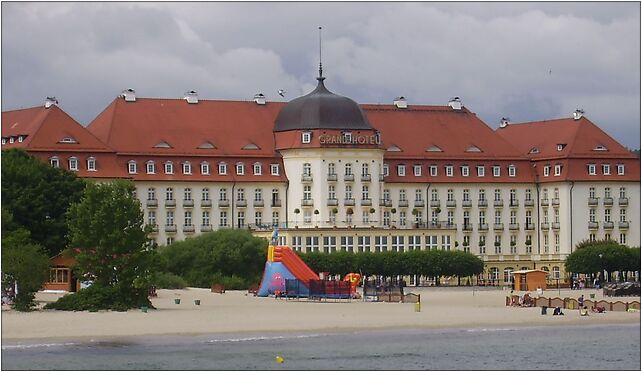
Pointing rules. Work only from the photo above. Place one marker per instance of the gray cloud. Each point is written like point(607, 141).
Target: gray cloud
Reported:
point(496, 56)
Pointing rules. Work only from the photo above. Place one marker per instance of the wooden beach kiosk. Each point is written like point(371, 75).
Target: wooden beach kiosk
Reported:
point(529, 280)
point(60, 276)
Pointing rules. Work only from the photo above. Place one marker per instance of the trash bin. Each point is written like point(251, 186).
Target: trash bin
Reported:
point(177, 301)
point(197, 302)
point(544, 308)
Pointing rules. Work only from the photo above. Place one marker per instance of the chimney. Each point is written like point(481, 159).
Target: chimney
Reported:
point(400, 102)
point(129, 95)
point(259, 98)
point(50, 101)
point(577, 115)
point(455, 103)
point(191, 97)
point(504, 122)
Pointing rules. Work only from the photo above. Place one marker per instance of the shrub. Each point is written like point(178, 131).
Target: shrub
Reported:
point(93, 298)
point(230, 282)
point(169, 281)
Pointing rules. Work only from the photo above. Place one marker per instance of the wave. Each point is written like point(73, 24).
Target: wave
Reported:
point(29, 346)
point(267, 338)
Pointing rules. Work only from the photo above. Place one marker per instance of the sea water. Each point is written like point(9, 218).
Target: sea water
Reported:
point(600, 347)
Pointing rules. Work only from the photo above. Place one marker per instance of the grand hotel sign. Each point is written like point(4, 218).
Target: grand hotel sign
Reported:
point(348, 138)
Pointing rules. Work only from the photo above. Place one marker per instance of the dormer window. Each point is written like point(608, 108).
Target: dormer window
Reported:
point(222, 168)
point(591, 170)
point(73, 163)
point(63, 140)
point(534, 150)
point(473, 148)
point(386, 170)
point(481, 171)
point(4, 140)
point(560, 146)
point(558, 169)
point(606, 169)
point(205, 168)
point(306, 137)
point(512, 171)
point(465, 171)
point(258, 169)
point(497, 171)
point(449, 171)
point(151, 167)
point(91, 164)
point(600, 148)
point(620, 169)
point(20, 138)
point(417, 170)
point(547, 170)
point(54, 161)
point(187, 168)
point(274, 169)
point(240, 169)
point(132, 167)
point(401, 170)
point(169, 167)
point(11, 139)
point(433, 171)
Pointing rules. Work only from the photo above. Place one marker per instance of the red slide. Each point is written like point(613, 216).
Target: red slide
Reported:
point(294, 264)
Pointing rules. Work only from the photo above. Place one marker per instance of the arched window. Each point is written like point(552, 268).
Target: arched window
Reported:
point(508, 275)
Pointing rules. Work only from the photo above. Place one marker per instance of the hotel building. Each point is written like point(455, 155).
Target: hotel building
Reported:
point(335, 175)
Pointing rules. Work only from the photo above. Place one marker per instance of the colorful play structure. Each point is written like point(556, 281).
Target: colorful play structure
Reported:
point(286, 275)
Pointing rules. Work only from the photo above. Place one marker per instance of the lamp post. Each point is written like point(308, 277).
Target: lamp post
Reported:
point(601, 268)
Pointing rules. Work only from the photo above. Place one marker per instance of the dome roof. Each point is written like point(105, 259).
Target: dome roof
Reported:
point(321, 109)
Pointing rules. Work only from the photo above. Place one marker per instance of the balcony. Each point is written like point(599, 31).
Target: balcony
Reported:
point(433, 203)
point(188, 203)
point(623, 225)
point(307, 202)
point(529, 203)
point(332, 177)
point(545, 226)
point(403, 203)
point(223, 203)
point(306, 178)
point(466, 203)
point(188, 229)
point(241, 203)
point(555, 201)
point(348, 177)
point(514, 203)
point(451, 204)
point(592, 201)
point(206, 203)
point(348, 202)
point(258, 203)
point(151, 203)
point(513, 226)
point(467, 227)
point(154, 228)
point(623, 201)
point(544, 202)
point(419, 203)
point(482, 227)
point(365, 202)
point(498, 203)
point(170, 203)
point(607, 201)
point(498, 227)
point(608, 225)
point(170, 228)
point(529, 226)
point(206, 228)
point(555, 225)
point(433, 224)
point(449, 225)
point(366, 178)
point(482, 203)
point(276, 203)
point(333, 202)
point(593, 225)
point(385, 203)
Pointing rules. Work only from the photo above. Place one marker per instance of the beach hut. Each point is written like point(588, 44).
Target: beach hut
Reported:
point(61, 277)
point(529, 280)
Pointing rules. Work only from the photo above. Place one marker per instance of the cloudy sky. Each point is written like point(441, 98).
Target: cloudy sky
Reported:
point(526, 61)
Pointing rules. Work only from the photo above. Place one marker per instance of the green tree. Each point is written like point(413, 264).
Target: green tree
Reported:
point(38, 196)
point(108, 240)
point(592, 257)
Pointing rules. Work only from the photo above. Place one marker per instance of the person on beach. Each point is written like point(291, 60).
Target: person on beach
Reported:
point(584, 311)
point(580, 301)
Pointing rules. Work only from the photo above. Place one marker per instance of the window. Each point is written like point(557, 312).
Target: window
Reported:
point(591, 170)
point(620, 169)
point(592, 192)
point(347, 244)
point(622, 238)
point(529, 218)
point(450, 195)
point(169, 218)
point(54, 161)
point(4, 140)
point(240, 219)
point(402, 195)
point(418, 195)
point(331, 192)
point(169, 240)
point(397, 243)
point(529, 244)
point(365, 169)
point(363, 244)
point(169, 193)
point(151, 167)
point(240, 169)
point(513, 217)
point(401, 170)
point(223, 219)
point(414, 243)
point(482, 217)
point(512, 171)
point(205, 221)
point(307, 192)
point(497, 171)
point(466, 195)
point(151, 218)
point(622, 215)
point(331, 169)
point(151, 193)
point(312, 243)
point(498, 217)
point(607, 192)
point(402, 218)
point(482, 194)
point(258, 218)
point(365, 191)
point(258, 169)
point(417, 170)
point(386, 218)
point(449, 170)
point(547, 170)
point(275, 196)
point(307, 169)
point(622, 192)
point(431, 242)
point(381, 243)
point(274, 169)
point(556, 215)
point(607, 215)
point(546, 243)
point(545, 194)
point(12, 139)
point(131, 167)
point(275, 218)
point(329, 244)
point(480, 171)
point(258, 194)
point(445, 242)
point(386, 194)
point(592, 237)
point(365, 216)
point(545, 215)
point(592, 215)
point(187, 194)
point(557, 243)
point(606, 169)
point(434, 195)
point(498, 194)
point(296, 243)
point(450, 219)
point(169, 167)
point(498, 244)
point(187, 168)
point(91, 164)
point(465, 171)
point(222, 194)
point(558, 169)
point(386, 170)
point(529, 195)
point(73, 164)
point(433, 171)
point(188, 218)
point(205, 194)
point(240, 195)
point(222, 168)
point(348, 169)
point(306, 137)
point(205, 168)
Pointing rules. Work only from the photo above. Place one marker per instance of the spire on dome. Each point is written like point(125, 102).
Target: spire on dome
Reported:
point(320, 78)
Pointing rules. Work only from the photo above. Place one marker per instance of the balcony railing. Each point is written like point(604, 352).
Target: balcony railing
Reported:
point(241, 203)
point(306, 178)
point(348, 177)
point(188, 203)
point(451, 204)
point(435, 203)
point(513, 226)
point(258, 203)
point(154, 227)
point(366, 178)
point(555, 201)
point(170, 203)
point(276, 203)
point(307, 202)
point(545, 226)
point(467, 227)
point(623, 201)
point(555, 225)
point(529, 226)
point(498, 226)
point(592, 201)
point(608, 225)
point(419, 203)
point(348, 202)
point(151, 203)
point(365, 202)
point(385, 203)
point(623, 224)
point(544, 202)
point(205, 228)
point(206, 203)
point(529, 203)
point(498, 203)
point(403, 203)
point(333, 202)
point(482, 203)
point(607, 201)
point(170, 228)
point(188, 229)
point(593, 225)
point(223, 203)
point(514, 203)
point(482, 226)
point(466, 203)
point(332, 177)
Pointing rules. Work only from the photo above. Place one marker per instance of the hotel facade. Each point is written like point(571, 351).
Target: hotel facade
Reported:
point(335, 175)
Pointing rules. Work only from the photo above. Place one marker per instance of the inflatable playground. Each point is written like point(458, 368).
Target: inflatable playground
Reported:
point(286, 275)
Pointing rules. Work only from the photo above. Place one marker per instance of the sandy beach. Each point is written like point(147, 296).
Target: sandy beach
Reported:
point(235, 311)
